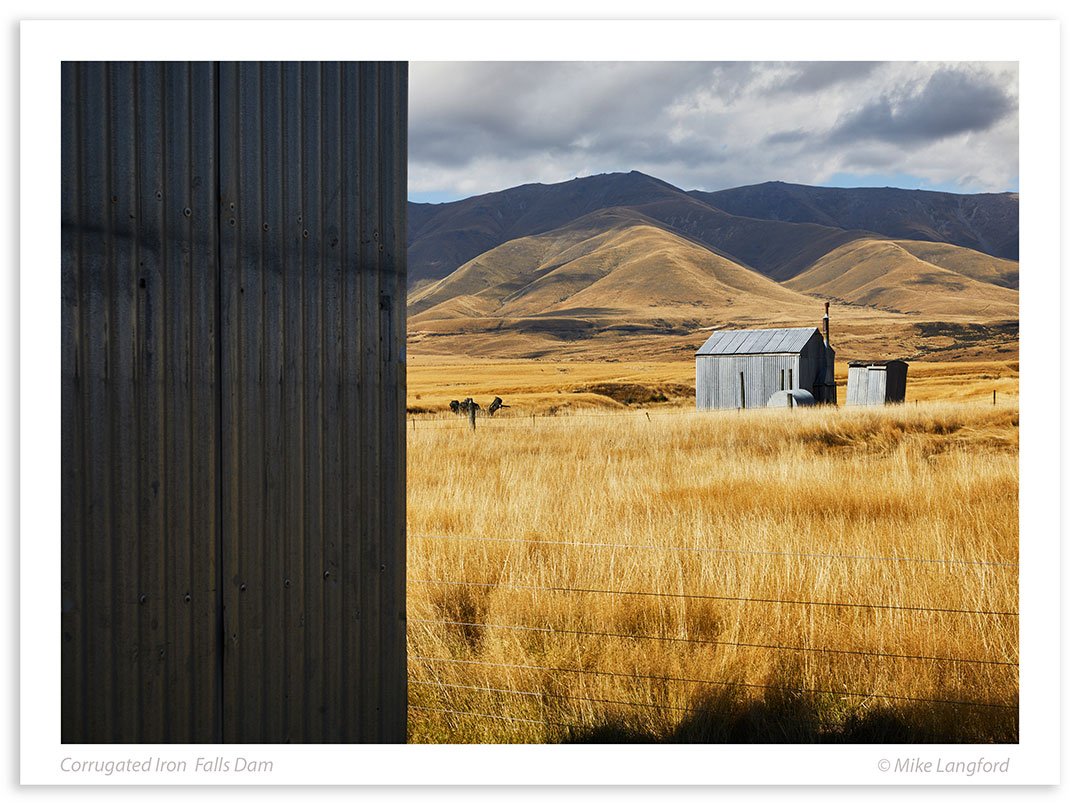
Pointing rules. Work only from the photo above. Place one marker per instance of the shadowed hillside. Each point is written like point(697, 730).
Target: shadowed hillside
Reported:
point(444, 236)
point(987, 222)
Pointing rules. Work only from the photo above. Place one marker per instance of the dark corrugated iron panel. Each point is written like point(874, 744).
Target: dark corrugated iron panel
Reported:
point(139, 519)
point(313, 371)
point(262, 494)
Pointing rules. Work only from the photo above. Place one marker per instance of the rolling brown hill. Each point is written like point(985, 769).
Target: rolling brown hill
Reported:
point(444, 236)
point(986, 222)
point(614, 281)
point(775, 228)
point(647, 260)
point(614, 263)
point(891, 276)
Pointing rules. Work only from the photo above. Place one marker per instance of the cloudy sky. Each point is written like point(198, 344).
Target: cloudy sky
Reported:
point(475, 127)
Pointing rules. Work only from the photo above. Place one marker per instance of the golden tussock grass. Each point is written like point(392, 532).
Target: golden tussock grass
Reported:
point(814, 505)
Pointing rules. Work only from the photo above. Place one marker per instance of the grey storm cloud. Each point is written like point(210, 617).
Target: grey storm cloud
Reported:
point(813, 76)
point(786, 137)
point(481, 126)
point(513, 109)
point(951, 102)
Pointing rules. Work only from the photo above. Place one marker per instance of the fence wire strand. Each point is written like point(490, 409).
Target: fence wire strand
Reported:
point(530, 422)
point(584, 544)
point(707, 597)
point(704, 641)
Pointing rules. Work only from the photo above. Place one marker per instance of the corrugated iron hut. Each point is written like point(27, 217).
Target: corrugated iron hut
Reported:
point(745, 368)
point(876, 382)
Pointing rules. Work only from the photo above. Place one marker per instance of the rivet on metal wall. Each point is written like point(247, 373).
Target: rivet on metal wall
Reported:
point(232, 222)
point(157, 194)
point(326, 574)
point(288, 583)
point(243, 588)
point(266, 227)
point(187, 212)
point(142, 598)
point(187, 598)
point(305, 233)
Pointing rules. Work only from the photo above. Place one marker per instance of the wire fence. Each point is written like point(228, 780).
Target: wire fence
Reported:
point(732, 551)
point(531, 421)
point(708, 642)
point(710, 597)
point(453, 697)
point(459, 422)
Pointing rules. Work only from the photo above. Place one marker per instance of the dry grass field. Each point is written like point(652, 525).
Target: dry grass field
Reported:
point(780, 576)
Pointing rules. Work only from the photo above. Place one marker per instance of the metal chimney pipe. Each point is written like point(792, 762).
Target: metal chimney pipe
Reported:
point(825, 324)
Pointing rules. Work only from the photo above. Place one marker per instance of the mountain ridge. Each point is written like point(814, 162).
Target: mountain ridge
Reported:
point(593, 260)
point(443, 236)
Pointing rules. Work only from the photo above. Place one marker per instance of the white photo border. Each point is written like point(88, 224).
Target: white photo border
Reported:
point(1033, 44)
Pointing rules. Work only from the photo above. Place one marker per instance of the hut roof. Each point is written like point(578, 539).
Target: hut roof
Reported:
point(860, 364)
point(757, 342)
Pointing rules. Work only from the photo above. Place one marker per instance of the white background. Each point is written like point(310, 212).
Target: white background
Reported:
point(1033, 45)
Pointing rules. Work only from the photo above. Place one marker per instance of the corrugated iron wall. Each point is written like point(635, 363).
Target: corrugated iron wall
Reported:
point(233, 396)
point(718, 383)
point(877, 384)
point(139, 401)
point(866, 385)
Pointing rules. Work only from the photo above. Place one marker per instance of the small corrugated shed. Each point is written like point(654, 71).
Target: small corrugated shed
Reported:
point(876, 382)
point(745, 368)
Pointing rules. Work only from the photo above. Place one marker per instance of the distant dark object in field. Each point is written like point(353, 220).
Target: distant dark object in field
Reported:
point(463, 407)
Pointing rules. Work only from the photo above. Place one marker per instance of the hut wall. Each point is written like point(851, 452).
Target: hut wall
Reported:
point(877, 384)
point(718, 379)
